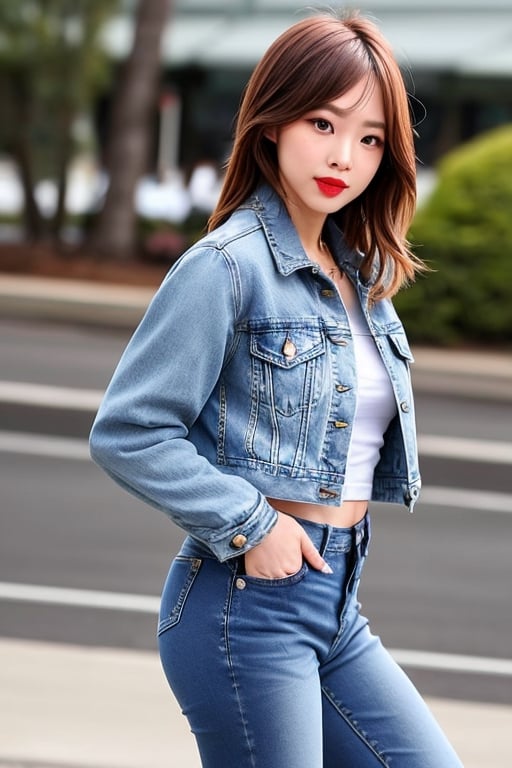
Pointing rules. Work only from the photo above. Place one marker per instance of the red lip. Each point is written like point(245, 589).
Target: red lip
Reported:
point(330, 187)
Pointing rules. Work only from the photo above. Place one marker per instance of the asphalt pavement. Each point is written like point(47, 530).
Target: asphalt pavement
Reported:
point(73, 707)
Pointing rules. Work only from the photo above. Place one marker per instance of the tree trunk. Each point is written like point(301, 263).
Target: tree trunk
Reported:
point(34, 225)
point(33, 222)
point(63, 157)
point(129, 133)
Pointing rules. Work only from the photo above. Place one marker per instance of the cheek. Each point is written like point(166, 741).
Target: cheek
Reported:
point(292, 157)
point(373, 166)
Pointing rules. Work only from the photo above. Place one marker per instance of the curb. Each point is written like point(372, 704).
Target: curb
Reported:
point(87, 302)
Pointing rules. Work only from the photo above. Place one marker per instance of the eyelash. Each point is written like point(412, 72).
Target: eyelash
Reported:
point(376, 141)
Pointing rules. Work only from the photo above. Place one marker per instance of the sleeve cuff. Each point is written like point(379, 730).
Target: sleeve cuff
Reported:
point(245, 536)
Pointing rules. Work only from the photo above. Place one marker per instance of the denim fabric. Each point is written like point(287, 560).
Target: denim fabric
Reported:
point(285, 673)
point(240, 383)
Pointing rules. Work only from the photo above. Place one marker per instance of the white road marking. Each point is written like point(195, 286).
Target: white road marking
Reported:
point(452, 662)
point(48, 446)
point(23, 393)
point(79, 598)
point(488, 451)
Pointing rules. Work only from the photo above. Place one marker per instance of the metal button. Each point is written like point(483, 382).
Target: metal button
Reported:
point(342, 388)
point(327, 293)
point(326, 493)
point(240, 584)
point(239, 541)
point(404, 406)
point(289, 349)
point(340, 424)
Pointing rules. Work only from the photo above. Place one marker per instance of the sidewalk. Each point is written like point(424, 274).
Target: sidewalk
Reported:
point(71, 707)
point(472, 374)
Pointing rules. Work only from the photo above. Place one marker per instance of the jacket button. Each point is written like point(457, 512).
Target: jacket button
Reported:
point(326, 493)
point(289, 349)
point(340, 424)
point(239, 541)
point(327, 293)
point(404, 406)
point(240, 584)
point(342, 388)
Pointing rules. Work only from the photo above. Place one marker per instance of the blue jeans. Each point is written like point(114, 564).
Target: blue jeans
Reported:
point(285, 673)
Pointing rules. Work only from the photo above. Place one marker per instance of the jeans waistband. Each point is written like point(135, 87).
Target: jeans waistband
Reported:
point(329, 538)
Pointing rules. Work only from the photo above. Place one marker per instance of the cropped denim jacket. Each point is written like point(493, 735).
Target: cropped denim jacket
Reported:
point(240, 383)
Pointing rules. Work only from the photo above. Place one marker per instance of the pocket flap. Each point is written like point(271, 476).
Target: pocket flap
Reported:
point(287, 347)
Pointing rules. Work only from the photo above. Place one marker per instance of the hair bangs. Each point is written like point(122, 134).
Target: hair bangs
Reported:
point(322, 67)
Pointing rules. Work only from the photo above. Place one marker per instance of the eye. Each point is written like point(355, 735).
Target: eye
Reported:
point(373, 141)
point(322, 125)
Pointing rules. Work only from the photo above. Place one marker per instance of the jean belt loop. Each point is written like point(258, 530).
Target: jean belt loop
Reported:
point(326, 535)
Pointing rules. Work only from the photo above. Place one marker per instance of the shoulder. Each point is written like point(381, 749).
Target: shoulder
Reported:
point(236, 236)
point(236, 246)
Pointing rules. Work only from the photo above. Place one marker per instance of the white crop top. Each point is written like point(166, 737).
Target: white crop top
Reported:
point(375, 408)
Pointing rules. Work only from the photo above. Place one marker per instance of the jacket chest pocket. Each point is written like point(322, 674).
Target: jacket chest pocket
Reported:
point(287, 364)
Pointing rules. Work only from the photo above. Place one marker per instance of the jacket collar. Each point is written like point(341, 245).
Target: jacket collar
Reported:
point(284, 241)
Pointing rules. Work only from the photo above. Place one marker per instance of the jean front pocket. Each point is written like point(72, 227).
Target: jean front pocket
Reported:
point(285, 581)
point(180, 579)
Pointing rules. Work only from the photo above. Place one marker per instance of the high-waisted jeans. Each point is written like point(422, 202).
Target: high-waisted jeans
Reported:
point(285, 673)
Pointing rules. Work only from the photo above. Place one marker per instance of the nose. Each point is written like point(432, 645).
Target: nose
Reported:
point(341, 156)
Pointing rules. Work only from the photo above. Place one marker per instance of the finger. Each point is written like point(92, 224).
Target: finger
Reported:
point(313, 556)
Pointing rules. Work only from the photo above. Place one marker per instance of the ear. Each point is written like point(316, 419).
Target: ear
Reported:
point(271, 134)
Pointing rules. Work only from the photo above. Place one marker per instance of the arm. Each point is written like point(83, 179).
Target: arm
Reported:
point(162, 382)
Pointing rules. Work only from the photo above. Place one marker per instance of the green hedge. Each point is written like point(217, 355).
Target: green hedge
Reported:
point(464, 234)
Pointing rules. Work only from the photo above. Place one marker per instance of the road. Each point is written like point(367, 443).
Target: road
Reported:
point(83, 562)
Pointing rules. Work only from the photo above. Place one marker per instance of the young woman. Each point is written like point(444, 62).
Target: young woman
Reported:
point(265, 400)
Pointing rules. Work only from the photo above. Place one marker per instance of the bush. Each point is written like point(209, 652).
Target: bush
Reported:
point(464, 234)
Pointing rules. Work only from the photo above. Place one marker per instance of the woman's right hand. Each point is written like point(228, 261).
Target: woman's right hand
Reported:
point(282, 552)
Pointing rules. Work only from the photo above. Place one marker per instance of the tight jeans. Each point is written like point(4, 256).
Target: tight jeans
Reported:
point(285, 673)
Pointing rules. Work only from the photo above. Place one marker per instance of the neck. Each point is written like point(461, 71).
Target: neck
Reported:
point(309, 229)
point(318, 251)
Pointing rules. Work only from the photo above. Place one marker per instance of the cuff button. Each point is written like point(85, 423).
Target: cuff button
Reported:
point(239, 541)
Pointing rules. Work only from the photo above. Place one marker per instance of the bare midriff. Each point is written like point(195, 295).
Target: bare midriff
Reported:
point(350, 513)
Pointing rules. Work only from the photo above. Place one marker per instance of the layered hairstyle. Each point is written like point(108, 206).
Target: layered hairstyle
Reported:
point(312, 63)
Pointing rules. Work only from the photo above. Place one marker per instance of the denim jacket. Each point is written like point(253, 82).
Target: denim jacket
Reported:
point(240, 383)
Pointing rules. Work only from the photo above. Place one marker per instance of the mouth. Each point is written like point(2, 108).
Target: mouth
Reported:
point(330, 187)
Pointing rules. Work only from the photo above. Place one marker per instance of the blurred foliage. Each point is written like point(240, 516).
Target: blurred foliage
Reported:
point(51, 68)
point(464, 234)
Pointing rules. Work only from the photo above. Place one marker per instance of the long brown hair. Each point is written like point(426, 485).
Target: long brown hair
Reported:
point(312, 63)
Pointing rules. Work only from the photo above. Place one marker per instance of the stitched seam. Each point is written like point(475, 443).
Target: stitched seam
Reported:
point(231, 668)
point(346, 714)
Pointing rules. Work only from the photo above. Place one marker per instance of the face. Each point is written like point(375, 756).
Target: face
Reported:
point(328, 157)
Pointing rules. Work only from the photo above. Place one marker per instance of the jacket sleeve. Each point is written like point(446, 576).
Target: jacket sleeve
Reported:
point(163, 380)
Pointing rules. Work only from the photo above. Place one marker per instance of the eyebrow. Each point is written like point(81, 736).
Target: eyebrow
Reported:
point(343, 112)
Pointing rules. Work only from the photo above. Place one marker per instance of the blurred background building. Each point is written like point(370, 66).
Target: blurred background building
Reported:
point(456, 56)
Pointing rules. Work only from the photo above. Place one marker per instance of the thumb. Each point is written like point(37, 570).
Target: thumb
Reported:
point(313, 556)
